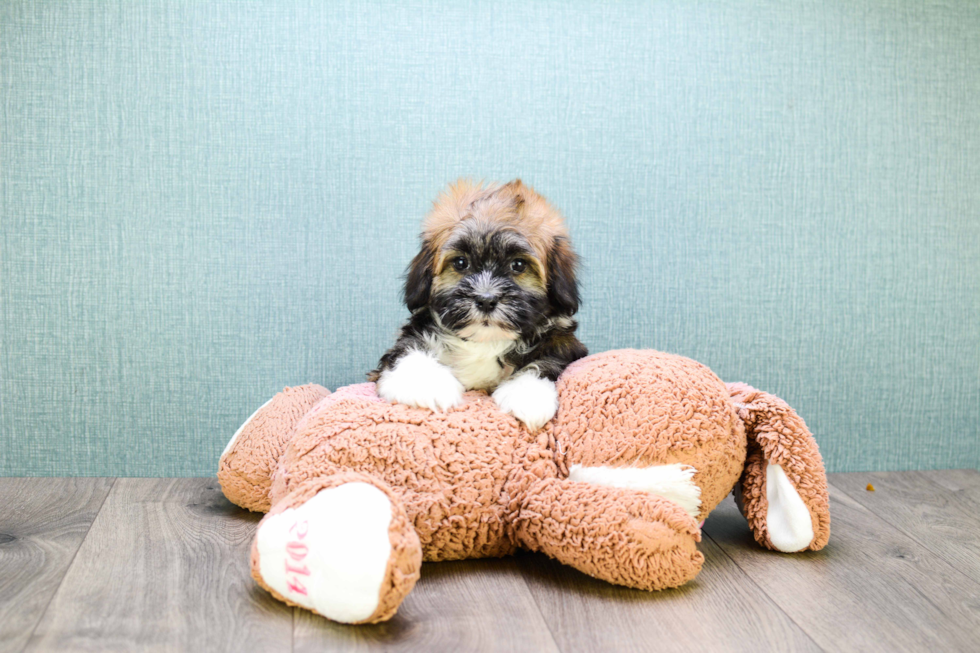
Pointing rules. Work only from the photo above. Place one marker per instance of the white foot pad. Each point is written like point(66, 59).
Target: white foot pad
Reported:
point(787, 518)
point(674, 482)
point(331, 553)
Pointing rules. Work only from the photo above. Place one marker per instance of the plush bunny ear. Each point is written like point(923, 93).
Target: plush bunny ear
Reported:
point(562, 282)
point(783, 489)
point(418, 278)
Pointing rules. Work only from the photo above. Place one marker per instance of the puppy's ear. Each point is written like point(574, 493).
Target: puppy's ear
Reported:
point(418, 278)
point(562, 284)
point(516, 190)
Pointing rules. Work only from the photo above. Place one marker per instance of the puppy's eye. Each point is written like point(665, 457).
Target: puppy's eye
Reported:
point(518, 265)
point(460, 263)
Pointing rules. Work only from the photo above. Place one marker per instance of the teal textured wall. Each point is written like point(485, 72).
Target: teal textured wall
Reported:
point(204, 202)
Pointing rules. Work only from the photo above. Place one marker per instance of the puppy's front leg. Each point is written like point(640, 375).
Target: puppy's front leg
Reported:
point(417, 379)
point(528, 397)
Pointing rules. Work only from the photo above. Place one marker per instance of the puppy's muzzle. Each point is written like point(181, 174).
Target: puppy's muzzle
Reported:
point(486, 303)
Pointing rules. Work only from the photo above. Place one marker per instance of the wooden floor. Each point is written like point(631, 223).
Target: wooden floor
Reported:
point(162, 564)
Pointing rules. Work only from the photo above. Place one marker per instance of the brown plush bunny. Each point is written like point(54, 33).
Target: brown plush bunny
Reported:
point(644, 445)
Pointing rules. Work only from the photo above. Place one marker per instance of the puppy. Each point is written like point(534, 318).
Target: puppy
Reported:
point(492, 294)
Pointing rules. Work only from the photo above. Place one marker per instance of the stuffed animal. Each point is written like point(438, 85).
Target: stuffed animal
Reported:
point(644, 445)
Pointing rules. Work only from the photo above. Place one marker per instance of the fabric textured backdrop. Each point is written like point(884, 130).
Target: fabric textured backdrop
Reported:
point(205, 202)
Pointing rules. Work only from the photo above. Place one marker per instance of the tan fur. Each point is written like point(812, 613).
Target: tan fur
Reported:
point(495, 206)
point(474, 482)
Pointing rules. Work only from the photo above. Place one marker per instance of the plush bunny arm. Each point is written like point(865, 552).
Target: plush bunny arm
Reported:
point(251, 458)
point(783, 490)
point(627, 537)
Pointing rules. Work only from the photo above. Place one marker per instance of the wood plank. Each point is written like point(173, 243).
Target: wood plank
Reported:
point(964, 483)
point(720, 610)
point(946, 524)
point(871, 589)
point(42, 525)
point(164, 567)
point(471, 605)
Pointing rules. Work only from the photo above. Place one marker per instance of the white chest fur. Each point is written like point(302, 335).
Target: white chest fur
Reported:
point(477, 365)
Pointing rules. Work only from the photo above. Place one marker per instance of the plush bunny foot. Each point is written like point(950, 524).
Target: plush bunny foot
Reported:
point(346, 551)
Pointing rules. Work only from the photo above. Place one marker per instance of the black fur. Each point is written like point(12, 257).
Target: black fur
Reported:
point(418, 279)
point(563, 287)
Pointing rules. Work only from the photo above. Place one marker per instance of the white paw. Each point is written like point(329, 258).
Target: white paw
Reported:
point(529, 398)
point(331, 553)
point(420, 380)
point(787, 517)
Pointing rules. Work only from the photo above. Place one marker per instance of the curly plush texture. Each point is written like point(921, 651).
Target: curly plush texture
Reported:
point(449, 468)
point(473, 482)
point(637, 408)
point(628, 538)
point(247, 466)
point(778, 436)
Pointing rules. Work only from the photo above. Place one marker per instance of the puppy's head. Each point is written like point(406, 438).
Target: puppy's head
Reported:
point(496, 262)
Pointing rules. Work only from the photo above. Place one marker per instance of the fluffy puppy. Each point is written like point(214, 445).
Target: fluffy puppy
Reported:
point(492, 294)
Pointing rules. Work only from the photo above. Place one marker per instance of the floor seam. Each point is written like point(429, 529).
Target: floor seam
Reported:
point(943, 487)
point(47, 606)
point(909, 535)
point(764, 592)
point(537, 607)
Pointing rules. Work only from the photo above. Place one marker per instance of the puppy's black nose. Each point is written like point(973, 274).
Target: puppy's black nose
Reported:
point(486, 303)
